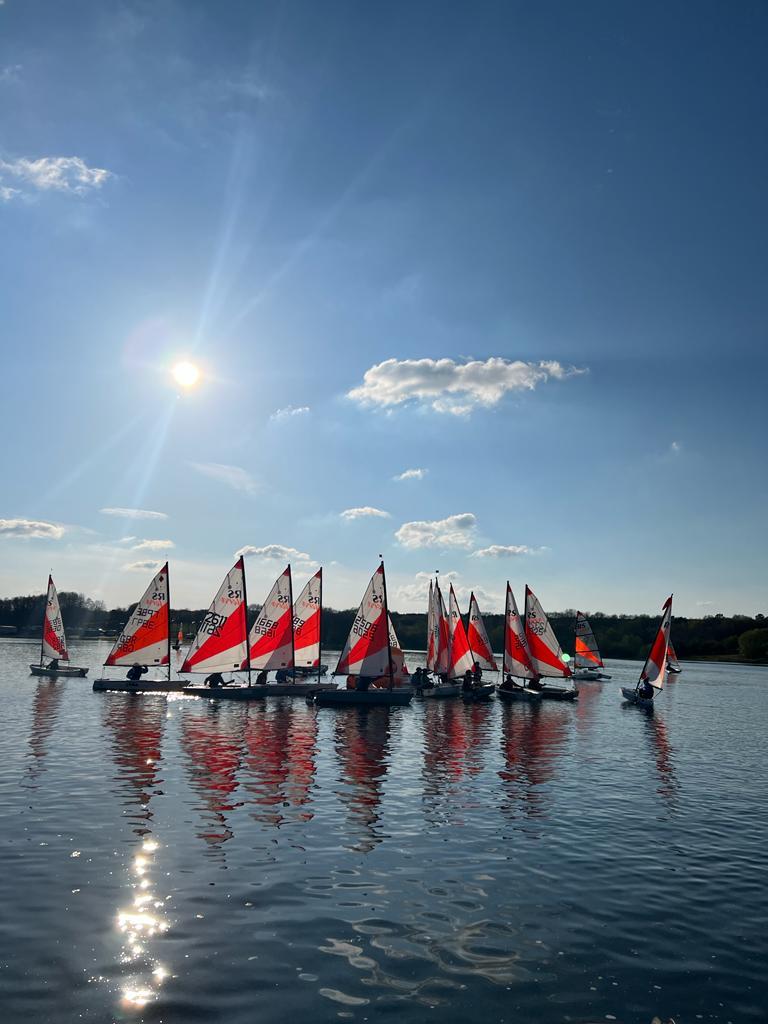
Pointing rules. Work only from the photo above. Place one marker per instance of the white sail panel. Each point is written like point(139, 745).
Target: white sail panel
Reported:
point(460, 657)
point(433, 634)
point(145, 638)
point(543, 646)
point(400, 674)
point(220, 642)
point(307, 614)
point(477, 636)
point(656, 663)
point(517, 658)
point(586, 652)
point(443, 633)
point(54, 643)
point(366, 652)
point(271, 637)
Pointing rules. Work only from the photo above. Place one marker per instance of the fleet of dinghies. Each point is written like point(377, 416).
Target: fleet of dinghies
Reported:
point(285, 639)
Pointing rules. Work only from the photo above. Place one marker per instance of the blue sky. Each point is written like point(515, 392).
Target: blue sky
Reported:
point(517, 247)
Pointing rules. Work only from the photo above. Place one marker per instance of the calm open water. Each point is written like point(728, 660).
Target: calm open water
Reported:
point(170, 859)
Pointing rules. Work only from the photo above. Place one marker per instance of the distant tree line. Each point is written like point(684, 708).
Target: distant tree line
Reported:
point(735, 637)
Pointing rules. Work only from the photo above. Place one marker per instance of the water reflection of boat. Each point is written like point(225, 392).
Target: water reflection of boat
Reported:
point(45, 713)
point(280, 748)
point(136, 729)
point(532, 740)
point(212, 738)
point(664, 756)
point(361, 740)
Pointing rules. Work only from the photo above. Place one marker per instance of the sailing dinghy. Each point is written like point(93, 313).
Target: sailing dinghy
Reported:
point(655, 666)
point(145, 641)
point(372, 656)
point(545, 650)
point(438, 648)
point(586, 657)
point(517, 657)
point(673, 665)
point(53, 643)
point(480, 652)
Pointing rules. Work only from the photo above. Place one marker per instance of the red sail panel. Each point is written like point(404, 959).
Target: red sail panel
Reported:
point(656, 664)
point(443, 633)
point(307, 614)
point(145, 636)
point(460, 658)
point(366, 652)
point(477, 635)
point(220, 644)
point(586, 651)
point(432, 632)
point(517, 658)
point(54, 640)
point(543, 645)
point(271, 637)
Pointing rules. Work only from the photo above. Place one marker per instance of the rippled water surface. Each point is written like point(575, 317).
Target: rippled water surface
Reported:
point(170, 859)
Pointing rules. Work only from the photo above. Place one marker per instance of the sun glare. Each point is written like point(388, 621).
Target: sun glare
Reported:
point(186, 374)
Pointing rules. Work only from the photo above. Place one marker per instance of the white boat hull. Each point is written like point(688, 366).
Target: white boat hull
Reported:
point(54, 673)
point(519, 694)
point(634, 697)
point(363, 698)
point(143, 686)
point(257, 692)
point(587, 674)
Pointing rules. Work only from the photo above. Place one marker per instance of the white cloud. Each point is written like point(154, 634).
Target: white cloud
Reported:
point(455, 531)
point(505, 551)
point(153, 545)
point(276, 552)
point(30, 528)
point(411, 474)
point(363, 513)
point(148, 566)
point(704, 604)
point(235, 477)
point(414, 595)
point(55, 174)
point(132, 513)
point(451, 387)
point(289, 410)
point(10, 74)
point(676, 447)
point(7, 193)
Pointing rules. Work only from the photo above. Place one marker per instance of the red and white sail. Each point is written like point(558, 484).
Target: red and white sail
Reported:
point(443, 628)
point(477, 636)
point(307, 615)
point(460, 657)
point(543, 646)
point(220, 644)
point(54, 641)
point(366, 652)
point(432, 630)
point(673, 665)
point(400, 674)
point(271, 637)
point(145, 638)
point(586, 652)
point(517, 658)
point(656, 663)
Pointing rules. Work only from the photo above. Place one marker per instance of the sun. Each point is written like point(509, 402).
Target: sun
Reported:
point(186, 374)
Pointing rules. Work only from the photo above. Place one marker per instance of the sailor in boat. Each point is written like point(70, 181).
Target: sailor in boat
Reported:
point(135, 672)
point(477, 675)
point(535, 684)
point(215, 679)
point(261, 678)
point(54, 665)
point(510, 684)
point(467, 682)
point(645, 690)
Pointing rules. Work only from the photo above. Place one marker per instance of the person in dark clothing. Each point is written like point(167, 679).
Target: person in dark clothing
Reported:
point(363, 682)
point(477, 674)
point(214, 679)
point(466, 684)
point(646, 690)
point(509, 683)
point(54, 665)
point(535, 684)
point(135, 672)
point(261, 678)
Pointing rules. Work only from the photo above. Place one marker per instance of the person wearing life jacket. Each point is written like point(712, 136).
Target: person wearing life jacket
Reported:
point(54, 665)
point(477, 674)
point(135, 672)
point(214, 679)
point(645, 690)
point(466, 683)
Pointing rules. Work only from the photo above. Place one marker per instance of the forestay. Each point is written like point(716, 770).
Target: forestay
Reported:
point(477, 636)
point(460, 657)
point(145, 639)
point(656, 663)
point(517, 658)
point(54, 643)
point(586, 652)
point(366, 652)
point(271, 637)
point(543, 646)
point(220, 643)
point(307, 614)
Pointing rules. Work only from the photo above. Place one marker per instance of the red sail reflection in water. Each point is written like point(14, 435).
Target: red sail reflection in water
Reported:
point(45, 713)
point(664, 754)
point(281, 748)
point(361, 741)
point(455, 739)
point(532, 740)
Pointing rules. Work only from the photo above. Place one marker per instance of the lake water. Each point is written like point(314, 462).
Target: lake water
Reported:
point(170, 859)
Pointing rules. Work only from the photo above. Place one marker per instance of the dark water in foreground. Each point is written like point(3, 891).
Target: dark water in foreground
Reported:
point(167, 859)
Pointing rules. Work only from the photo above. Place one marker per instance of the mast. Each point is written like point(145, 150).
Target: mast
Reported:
point(45, 615)
point(293, 629)
point(245, 614)
point(168, 579)
point(386, 623)
point(320, 629)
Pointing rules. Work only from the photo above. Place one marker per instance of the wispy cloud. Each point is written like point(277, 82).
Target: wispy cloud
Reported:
point(290, 410)
point(676, 447)
point(364, 513)
point(704, 604)
point(153, 545)
point(148, 566)
point(414, 595)
point(411, 474)
point(30, 528)
point(236, 477)
point(53, 174)
point(275, 552)
point(455, 531)
point(505, 551)
point(448, 386)
point(10, 74)
point(132, 513)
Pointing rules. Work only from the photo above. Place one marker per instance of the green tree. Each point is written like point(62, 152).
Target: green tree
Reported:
point(753, 644)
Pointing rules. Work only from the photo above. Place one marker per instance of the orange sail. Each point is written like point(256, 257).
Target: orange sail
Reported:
point(586, 651)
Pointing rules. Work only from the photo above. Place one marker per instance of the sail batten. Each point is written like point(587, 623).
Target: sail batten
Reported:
point(477, 637)
point(54, 641)
point(517, 657)
point(586, 652)
point(307, 622)
point(544, 647)
point(220, 643)
point(656, 662)
point(271, 638)
point(145, 637)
